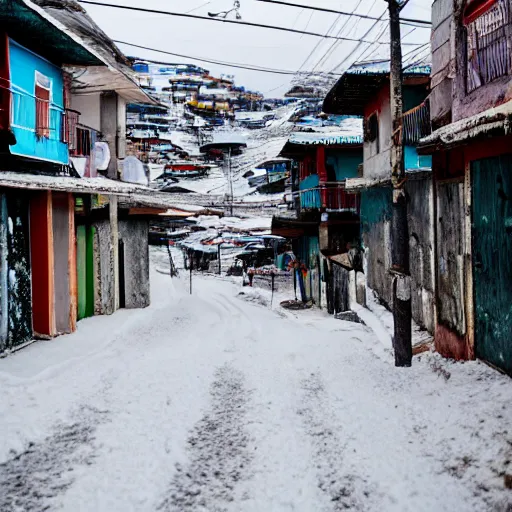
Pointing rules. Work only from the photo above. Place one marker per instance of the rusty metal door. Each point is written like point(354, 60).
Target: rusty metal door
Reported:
point(492, 259)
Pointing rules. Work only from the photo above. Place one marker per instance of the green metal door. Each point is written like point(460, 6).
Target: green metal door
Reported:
point(85, 270)
point(492, 259)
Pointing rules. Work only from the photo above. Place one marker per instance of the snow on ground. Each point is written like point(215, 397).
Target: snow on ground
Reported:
point(252, 223)
point(213, 401)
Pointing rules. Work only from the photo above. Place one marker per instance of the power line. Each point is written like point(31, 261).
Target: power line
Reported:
point(336, 44)
point(210, 61)
point(222, 20)
point(358, 45)
point(334, 11)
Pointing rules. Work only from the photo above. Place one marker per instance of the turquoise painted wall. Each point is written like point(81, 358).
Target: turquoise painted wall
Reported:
point(310, 199)
point(309, 248)
point(376, 206)
point(415, 161)
point(345, 163)
point(23, 67)
point(414, 96)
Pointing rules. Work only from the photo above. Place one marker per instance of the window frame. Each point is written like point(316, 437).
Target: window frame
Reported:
point(42, 118)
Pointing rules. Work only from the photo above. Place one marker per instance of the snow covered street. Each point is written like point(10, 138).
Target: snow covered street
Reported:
point(216, 402)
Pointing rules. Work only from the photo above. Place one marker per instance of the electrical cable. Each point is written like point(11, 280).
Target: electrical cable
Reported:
point(222, 20)
point(210, 61)
point(335, 44)
point(334, 11)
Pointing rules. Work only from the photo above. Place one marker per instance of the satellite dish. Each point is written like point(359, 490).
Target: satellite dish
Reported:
point(101, 156)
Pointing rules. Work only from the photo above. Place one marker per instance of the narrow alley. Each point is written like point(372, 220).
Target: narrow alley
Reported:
point(272, 411)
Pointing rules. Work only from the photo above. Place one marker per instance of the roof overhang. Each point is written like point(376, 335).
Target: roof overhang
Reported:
point(94, 79)
point(136, 194)
point(30, 26)
point(494, 122)
point(353, 91)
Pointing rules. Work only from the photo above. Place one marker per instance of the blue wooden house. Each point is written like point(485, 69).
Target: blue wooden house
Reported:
point(38, 109)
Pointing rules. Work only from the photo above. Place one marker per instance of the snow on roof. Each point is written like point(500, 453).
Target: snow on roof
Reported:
point(134, 193)
point(72, 19)
point(495, 121)
point(350, 131)
point(383, 67)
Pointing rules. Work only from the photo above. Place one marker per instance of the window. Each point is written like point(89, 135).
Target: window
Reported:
point(83, 142)
point(42, 93)
point(488, 57)
point(372, 129)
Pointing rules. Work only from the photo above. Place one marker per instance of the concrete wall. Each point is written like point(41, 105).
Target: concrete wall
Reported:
point(377, 163)
point(89, 107)
point(376, 213)
point(121, 127)
point(105, 296)
point(109, 128)
point(61, 234)
point(421, 247)
point(134, 234)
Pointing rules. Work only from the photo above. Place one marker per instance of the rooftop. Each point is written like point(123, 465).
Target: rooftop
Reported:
point(360, 83)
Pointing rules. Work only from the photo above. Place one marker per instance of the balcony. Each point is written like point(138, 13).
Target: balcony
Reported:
point(330, 197)
point(416, 124)
point(38, 125)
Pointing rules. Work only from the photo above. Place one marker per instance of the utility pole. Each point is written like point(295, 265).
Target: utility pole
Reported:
point(230, 177)
point(402, 314)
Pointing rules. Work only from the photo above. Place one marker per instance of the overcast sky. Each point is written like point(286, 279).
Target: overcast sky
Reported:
point(256, 46)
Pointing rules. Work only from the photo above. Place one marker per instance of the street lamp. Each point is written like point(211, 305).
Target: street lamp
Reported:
point(224, 14)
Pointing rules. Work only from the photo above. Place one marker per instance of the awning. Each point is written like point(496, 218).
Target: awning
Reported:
point(358, 184)
point(494, 122)
point(137, 194)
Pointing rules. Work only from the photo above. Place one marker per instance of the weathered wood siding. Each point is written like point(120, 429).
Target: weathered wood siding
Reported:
point(61, 235)
point(135, 233)
point(105, 300)
point(450, 256)
point(421, 246)
point(340, 278)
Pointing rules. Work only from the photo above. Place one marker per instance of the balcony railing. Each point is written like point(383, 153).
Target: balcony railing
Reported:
point(488, 45)
point(416, 124)
point(330, 197)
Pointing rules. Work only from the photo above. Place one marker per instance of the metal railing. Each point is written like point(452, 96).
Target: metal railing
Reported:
point(416, 124)
point(330, 197)
point(488, 45)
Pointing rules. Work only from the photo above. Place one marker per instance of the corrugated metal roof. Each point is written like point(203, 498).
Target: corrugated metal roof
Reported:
point(380, 67)
point(327, 139)
point(349, 131)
